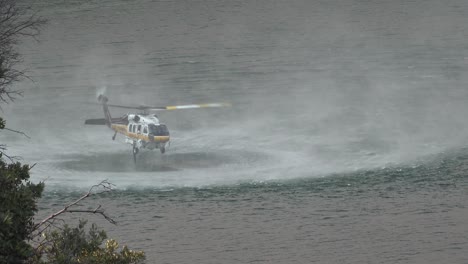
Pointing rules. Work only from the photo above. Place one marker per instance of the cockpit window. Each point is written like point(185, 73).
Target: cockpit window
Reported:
point(160, 130)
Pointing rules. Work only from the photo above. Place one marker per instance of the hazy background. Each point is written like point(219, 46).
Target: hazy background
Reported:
point(345, 142)
point(316, 86)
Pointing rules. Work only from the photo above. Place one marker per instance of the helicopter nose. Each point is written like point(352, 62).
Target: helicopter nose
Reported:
point(159, 139)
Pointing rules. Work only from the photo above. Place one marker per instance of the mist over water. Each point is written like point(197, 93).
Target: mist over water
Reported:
point(316, 87)
point(346, 114)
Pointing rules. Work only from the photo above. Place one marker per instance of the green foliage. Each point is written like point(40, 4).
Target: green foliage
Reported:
point(74, 245)
point(18, 198)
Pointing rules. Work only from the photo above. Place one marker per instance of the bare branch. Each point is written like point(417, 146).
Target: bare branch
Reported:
point(15, 23)
point(106, 187)
point(3, 154)
point(101, 212)
point(16, 131)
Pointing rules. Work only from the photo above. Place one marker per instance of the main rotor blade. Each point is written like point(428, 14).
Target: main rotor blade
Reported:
point(120, 106)
point(192, 106)
point(128, 107)
point(172, 107)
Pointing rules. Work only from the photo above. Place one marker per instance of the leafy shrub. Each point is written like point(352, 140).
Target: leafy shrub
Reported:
point(18, 198)
point(75, 245)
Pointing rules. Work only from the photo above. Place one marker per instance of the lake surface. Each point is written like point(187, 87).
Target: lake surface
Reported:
point(346, 141)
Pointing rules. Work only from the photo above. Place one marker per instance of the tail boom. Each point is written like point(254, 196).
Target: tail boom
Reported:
point(107, 116)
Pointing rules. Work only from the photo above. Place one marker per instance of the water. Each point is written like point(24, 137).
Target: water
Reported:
point(346, 142)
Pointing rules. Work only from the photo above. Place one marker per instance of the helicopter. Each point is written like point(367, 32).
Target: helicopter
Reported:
point(142, 130)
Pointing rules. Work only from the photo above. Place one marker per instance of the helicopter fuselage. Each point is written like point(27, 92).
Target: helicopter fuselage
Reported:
point(143, 131)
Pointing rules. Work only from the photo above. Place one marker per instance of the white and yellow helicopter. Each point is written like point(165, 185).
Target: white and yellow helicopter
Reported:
point(142, 130)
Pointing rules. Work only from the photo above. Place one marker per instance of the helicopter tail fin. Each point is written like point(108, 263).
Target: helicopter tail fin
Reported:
point(107, 116)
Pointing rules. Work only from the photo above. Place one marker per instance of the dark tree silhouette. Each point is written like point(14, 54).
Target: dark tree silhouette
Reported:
point(15, 22)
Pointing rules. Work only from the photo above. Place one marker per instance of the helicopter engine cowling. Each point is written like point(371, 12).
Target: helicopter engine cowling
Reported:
point(135, 118)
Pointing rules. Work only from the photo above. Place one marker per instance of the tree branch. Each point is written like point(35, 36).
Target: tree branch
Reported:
point(106, 187)
point(16, 131)
point(3, 154)
point(15, 23)
point(101, 212)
